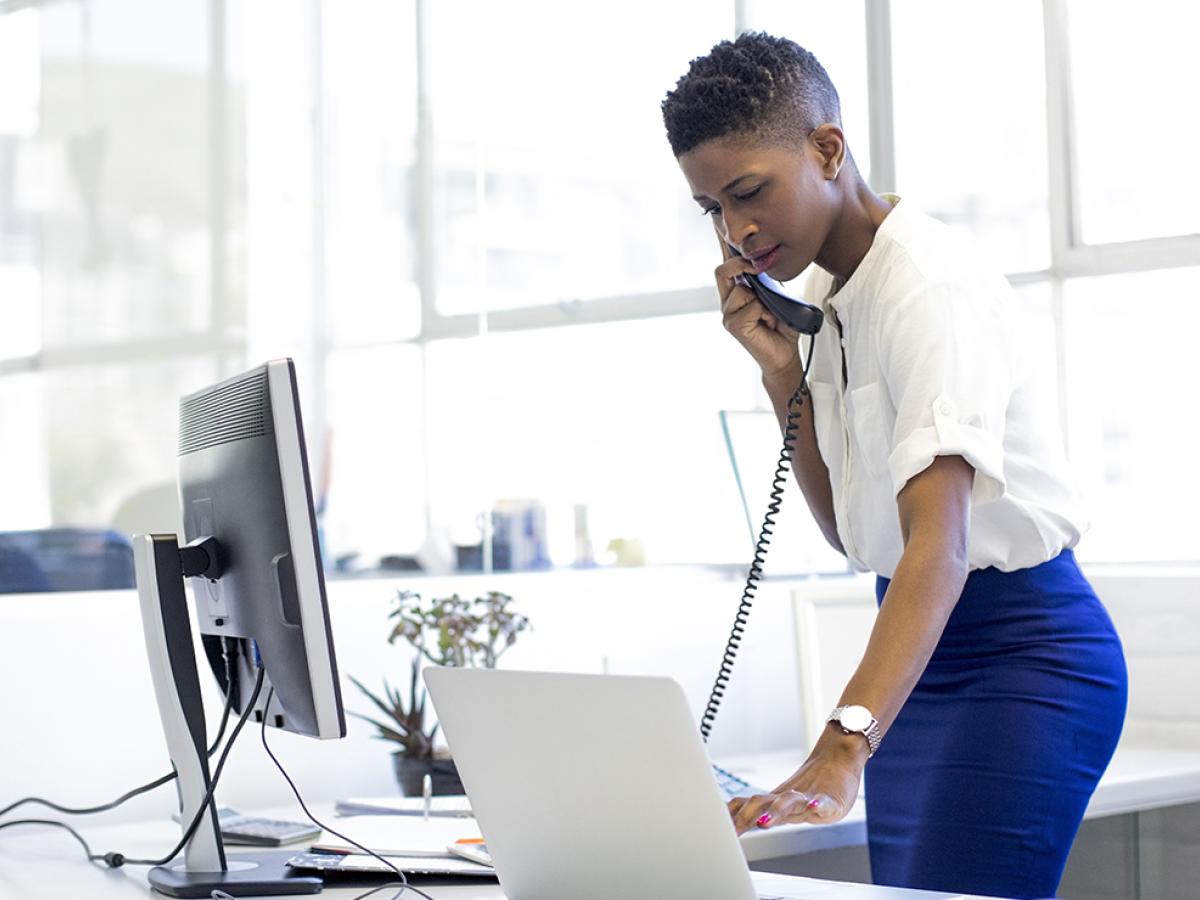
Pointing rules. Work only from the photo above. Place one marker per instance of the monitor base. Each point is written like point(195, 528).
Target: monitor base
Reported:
point(263, 874)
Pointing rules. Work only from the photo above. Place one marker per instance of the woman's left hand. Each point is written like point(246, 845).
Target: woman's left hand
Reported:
point(823, 790)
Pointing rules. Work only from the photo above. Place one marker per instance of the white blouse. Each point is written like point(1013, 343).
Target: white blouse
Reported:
point(927, 353)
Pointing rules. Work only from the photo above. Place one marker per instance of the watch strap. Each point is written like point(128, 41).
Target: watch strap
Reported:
point(872, 732)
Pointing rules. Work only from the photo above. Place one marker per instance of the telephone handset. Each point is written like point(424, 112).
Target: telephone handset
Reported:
point(793, 312)
point(806, 319)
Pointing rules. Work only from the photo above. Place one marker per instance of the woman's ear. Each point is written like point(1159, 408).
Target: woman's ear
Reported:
point(830, 144)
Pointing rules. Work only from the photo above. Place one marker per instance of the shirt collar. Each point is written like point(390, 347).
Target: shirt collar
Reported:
point(841, 293)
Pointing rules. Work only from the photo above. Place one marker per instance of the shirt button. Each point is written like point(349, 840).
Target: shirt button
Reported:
point(843, 342)
point(945, 407)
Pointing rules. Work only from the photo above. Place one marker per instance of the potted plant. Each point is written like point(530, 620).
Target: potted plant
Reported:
point(447, 631)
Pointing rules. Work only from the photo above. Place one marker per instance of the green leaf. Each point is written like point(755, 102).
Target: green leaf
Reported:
point(385, 732)
point(393, 711)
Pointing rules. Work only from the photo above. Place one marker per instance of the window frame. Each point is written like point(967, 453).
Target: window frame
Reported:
point(224, 339)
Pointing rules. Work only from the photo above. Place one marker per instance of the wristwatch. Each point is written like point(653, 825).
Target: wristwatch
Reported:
point(858, 720)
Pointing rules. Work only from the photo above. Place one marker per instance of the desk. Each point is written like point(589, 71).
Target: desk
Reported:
point(1139, 778)
point(48, 863)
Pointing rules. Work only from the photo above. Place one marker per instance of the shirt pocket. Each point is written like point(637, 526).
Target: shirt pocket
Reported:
point(826, 424)
point(871, 421)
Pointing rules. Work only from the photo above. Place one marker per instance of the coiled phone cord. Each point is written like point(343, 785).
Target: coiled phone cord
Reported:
point(784, 465)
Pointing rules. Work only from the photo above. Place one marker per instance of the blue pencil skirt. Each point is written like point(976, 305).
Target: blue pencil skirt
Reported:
point(981, 782)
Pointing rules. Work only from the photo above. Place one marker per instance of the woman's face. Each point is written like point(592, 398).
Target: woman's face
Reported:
point(774, 205)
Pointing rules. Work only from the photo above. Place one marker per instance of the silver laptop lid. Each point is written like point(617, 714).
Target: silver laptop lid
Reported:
point(589, 786)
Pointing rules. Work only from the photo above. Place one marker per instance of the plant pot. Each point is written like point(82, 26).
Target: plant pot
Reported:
point(410, 774)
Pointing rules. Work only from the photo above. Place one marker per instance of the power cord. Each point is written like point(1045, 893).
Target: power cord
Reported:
point(129, 795)
point(403, 879)
point(114, 859)
point(229, 653)
point(795, 402)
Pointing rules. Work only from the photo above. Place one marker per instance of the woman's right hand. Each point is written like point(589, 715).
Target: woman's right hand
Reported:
point(773, 345)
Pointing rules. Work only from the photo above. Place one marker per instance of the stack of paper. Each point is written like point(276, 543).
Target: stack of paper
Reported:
point(448, 805)
point(399, 835)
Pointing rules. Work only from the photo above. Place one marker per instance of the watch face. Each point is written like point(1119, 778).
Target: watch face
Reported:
point(855, 718)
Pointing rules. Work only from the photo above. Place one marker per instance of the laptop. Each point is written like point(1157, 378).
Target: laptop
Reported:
point(594, 786)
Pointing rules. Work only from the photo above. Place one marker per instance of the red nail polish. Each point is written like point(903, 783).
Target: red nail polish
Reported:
point(764, 819)
point(813, 804)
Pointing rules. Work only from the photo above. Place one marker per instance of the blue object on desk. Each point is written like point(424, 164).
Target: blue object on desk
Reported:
point(733, 785)
point(64, 559)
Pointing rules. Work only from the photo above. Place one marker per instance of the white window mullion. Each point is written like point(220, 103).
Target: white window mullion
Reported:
point(882, 176)
point(579, 312)
point(425, 264)
point(1133, 256)
point(1064, 199)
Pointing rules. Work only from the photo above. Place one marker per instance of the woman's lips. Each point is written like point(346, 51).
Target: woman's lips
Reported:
point(767, 260)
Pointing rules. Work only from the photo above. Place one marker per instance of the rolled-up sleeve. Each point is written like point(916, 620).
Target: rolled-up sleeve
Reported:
point(946, 361)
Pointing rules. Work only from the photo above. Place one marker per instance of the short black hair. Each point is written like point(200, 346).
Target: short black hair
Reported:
point(757, 86)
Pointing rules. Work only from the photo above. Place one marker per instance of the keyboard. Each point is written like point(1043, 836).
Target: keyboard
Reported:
point(329, 863)
point(256, 831)
point(260, 832)
point(733, 786)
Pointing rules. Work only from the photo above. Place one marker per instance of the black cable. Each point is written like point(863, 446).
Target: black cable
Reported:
point(114, 859)
point(158, 782)
point(212, 785)
point(92, 857)
point(403, 883)
point(129, 795)
point(795, 402)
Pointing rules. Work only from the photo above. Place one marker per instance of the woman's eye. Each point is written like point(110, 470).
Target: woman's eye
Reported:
point(710, 211)
point(748, 194)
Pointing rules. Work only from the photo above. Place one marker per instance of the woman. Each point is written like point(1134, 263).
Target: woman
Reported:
point(929, 452)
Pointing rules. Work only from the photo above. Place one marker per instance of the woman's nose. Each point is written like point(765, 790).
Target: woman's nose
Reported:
point(737, 231)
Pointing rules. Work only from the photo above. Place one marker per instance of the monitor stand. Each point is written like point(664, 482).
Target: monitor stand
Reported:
point(160, 566)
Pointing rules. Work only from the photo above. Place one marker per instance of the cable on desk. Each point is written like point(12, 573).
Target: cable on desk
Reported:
point(114, 859)
point(212, 786)
point(92, 857)
point(403, 882)
point(228, 654)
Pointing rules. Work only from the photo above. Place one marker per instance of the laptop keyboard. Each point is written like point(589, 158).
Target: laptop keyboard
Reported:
point(733, 786)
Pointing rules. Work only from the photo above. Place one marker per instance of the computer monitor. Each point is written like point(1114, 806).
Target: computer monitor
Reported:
point(252, 552)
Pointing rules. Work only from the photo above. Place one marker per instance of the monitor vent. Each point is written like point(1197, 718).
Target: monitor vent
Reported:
point(231, 411)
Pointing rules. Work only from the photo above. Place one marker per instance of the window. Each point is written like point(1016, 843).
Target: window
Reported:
point(371, 493)
point(589, 416)
point(1132, 436)
point(835, 34)
point(19, 43)
point(554, 180)
point(21, 289)
point(106, 213)
point(24, 449)
point(122, 152)
point(86, 443)
point(179, 201)
point(970, 122)
point(1132, 72)
point(368, 134)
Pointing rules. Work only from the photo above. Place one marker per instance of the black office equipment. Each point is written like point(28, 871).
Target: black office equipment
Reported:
point(260, 603)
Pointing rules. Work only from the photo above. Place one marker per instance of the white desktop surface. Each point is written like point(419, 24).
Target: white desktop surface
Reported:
point(1139, 778)
point(48, 863)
